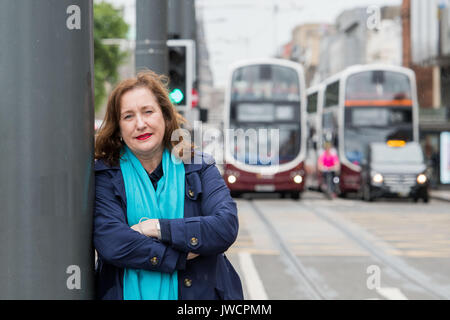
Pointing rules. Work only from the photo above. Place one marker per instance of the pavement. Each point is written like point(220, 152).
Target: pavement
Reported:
point(440, 194)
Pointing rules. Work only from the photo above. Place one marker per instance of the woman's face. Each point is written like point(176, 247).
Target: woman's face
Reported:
point(142, 124)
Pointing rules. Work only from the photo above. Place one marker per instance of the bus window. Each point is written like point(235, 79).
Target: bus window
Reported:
point(364, 125)
point(332, 94)
point(265, 82)
point(378, 85)
point(312, 102)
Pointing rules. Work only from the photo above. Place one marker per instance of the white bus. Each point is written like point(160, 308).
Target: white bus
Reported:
point(266, 99)
point(364, 104)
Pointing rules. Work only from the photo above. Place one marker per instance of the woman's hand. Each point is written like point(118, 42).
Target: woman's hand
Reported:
point(147, 228)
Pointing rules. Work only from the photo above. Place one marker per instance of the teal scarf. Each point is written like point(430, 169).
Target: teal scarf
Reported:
point(167, 202)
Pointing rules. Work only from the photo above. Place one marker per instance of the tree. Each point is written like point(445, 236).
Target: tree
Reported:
point(108, 24)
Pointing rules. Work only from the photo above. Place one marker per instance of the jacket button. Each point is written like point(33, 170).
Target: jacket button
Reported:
point(187, 282)
point(191, 193)
point(194, 241)
point(154, 261)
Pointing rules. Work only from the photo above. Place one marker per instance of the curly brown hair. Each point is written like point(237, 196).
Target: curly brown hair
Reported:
point(108, 145)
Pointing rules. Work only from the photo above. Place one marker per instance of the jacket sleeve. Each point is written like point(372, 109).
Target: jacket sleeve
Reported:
point(216, 230)
point(120, 245)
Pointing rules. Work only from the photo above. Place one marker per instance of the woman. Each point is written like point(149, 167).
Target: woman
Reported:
point(160, 225)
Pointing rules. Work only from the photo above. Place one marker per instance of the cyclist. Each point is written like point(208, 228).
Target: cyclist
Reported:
point(329, 165)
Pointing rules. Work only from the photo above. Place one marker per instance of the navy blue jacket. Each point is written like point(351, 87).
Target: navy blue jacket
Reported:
point(209, 228)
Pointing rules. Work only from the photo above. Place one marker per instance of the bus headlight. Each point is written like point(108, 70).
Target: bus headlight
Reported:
point(377, 178)
point(231, 179)
point(421, 178)
point(298, 179)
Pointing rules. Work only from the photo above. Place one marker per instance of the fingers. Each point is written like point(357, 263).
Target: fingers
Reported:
point(136, 228)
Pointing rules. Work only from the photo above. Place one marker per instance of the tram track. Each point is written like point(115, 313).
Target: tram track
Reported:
point(301, 274)
point(401, 267)
point(358, 236)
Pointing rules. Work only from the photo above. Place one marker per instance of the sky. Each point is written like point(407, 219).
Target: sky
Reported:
point(243, 29)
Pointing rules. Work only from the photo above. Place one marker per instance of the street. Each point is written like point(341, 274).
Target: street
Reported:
point(342, 248)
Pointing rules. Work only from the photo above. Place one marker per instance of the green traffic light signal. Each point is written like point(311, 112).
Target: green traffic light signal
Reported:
point(177, 74)
point(176, 96)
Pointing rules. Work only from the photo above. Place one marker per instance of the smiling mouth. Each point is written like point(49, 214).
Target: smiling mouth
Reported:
point(144, 136)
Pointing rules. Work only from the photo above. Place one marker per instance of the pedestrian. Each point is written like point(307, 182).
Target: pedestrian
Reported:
point(329, 166)
point(162, 223)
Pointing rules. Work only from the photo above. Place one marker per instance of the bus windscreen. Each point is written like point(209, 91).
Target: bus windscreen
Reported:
point(265, 83)
point(378, 88)
point(365, 125)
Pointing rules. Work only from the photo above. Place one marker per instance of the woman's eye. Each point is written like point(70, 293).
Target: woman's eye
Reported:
point(128, 116)
point(149, 111)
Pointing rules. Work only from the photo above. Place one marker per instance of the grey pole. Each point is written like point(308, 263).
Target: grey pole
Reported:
point(151, 35)
point(174, 19)
point(188, 25)
point(189, 31)
point(46, 130)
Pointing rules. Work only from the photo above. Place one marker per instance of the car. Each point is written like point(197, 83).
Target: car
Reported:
point(395, 168)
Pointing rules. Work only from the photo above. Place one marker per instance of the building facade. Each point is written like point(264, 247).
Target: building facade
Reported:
point(426, 50)
point(361, 36)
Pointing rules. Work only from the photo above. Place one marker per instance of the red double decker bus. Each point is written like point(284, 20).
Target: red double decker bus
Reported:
point(265, 132)
point(365, 104)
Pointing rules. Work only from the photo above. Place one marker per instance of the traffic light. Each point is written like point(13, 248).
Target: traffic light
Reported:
point(177, 74)
point(181, 72)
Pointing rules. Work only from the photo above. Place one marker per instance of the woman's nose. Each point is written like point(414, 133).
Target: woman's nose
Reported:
point(140, 122)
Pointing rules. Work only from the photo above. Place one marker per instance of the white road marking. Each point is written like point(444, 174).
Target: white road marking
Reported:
point(391, 293)
point(255, 287)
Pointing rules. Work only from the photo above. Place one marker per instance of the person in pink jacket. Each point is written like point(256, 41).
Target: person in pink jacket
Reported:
point(329, 165)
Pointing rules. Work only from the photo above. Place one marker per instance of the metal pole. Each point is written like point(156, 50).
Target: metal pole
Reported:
point(174, 19)
point(151, 35)
point(46, 172)
point(188, 26)
point(188, 31)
